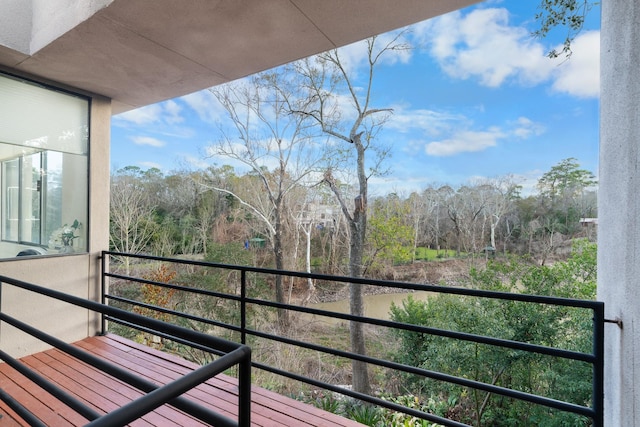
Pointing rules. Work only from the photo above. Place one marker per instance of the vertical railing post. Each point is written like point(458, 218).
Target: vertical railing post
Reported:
point(243, 306)
point(598, 368)
point(244, 391)
point(103, 291)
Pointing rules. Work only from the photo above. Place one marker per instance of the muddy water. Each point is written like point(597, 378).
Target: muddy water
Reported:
point(376, 306)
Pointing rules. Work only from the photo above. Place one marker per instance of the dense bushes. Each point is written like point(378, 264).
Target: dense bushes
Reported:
point(534, 323)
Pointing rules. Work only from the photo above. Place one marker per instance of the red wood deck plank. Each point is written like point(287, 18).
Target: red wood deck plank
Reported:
point(158, 375)
point(220, 395)
point(8, 418)
point(269, 399)
point(116, 390)
point(86, 389)
point(105, 393)
point(49, 410)
point(276, 408)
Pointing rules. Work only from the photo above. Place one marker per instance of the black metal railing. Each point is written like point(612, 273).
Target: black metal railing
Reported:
point(241, 297)
point(231, 355)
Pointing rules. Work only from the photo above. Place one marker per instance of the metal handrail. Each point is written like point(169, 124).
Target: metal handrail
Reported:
point(595, 358)
point(232, 354)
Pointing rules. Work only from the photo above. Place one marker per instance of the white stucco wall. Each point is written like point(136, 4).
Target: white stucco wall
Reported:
point(15, 24)
point(28, 25)
point(52, 18)
point(619, 208)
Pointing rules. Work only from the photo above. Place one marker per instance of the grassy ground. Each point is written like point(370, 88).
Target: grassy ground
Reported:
point(427, 254)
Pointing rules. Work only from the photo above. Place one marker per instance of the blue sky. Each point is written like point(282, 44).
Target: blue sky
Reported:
point(476, 98)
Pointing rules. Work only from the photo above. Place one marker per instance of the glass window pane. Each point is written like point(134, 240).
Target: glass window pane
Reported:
point(44, 148)
point(30, 199)
point(10, 200)
point(33, 116)
point(52, 194)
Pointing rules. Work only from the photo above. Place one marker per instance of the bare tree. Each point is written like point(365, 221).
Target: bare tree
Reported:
point(464, 208)
point(274, 145)
point(417, 209)
point(306, 220)
point(131, 211)
point(498, 195)
point(356, 123)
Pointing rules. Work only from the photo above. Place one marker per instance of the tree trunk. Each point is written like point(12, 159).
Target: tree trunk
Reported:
point(283, 315)
point(493, 235)
point(310, 286)
point(358, 229)
point(356, 303)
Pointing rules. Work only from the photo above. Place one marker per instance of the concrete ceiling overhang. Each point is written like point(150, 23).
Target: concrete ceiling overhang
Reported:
point(138, 52)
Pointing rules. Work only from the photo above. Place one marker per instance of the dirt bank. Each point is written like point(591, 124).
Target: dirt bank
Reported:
point(445, 272)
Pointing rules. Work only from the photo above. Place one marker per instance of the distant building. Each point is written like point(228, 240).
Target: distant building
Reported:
point(319, 214)
point(589, 222)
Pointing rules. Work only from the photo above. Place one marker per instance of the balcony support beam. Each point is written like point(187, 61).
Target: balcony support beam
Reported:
point(619, 208)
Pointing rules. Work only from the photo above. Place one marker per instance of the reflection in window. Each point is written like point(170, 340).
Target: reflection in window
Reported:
point(44, 170)
point(11, 211)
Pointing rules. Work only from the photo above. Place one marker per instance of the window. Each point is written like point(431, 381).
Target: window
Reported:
point(43, 169)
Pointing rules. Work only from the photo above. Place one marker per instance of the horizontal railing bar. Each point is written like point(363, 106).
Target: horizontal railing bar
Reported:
point(211, 341)
point(541, 400)
point(176, 287)
point(146, 386)
point(163, 335)
point(143, 405)
point(361, 396)
point(539, 299)
point(19, 409)
point(175, 313)
point(378, 362)
point(594, 359)
point(427, 373)
point(499, 342)
point(48, 386)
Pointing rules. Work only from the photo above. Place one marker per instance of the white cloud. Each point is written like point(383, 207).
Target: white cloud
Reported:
point(580, 75)
point(172, 112)
point(524, 128)
point(465, 141)
point(469, 140)
point(429, 122)
point(482, 44)
point(168, 112)
point(205, 104)
point(142, 116)
point(147, 140)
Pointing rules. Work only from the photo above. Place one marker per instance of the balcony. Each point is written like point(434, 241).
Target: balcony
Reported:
point(106, 394)
point(109, 381)
point(251, 325)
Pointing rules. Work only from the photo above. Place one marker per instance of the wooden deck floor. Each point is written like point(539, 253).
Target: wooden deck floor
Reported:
point(105, 393)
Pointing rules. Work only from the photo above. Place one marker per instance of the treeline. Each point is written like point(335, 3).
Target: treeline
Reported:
point(225, 217)
point(185, 212)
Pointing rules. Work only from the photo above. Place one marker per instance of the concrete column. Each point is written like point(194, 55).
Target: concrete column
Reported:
point(619, 208)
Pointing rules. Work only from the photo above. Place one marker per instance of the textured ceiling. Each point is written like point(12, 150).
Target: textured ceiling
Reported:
point(138, 52)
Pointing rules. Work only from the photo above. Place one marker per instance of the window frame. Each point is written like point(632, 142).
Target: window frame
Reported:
point(42, 236)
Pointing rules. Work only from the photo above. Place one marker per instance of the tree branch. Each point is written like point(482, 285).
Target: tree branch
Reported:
point(331, 181)
point(249, 206)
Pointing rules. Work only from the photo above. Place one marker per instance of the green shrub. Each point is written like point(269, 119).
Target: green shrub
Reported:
point(546, 325)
